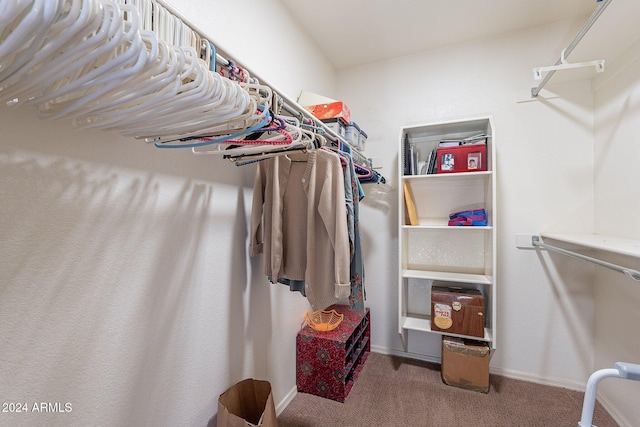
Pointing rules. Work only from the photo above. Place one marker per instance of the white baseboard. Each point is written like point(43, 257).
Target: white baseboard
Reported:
point(399, 353)
point(538, 379)
point(286, 400)
point(556, 382)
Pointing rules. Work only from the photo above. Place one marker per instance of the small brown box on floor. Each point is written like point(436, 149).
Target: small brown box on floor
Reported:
point(465, 363)
point(457, 311)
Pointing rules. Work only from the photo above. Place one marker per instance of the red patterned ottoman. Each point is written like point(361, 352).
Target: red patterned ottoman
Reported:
point(328, 363)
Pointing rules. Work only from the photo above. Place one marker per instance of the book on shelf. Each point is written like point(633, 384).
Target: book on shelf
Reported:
point(430, 164)
point(433, 162)
point(410, 158)
point(410, 205)
point(406, 155)
point(450, 142)
point(423, 168)
point(411, 154)
point(474, 139)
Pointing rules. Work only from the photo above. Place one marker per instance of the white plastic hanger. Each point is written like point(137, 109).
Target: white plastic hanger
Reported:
point(128, 108)
point(235, 119)
point(109, 70)
point(120, 86)
point(9, 10)
point(28, 17)
point(299, 139)
point(63, 58)
point(158, 80)
point(209, 116)
point(233, 122)
point(24, 36)
point(265, 152)
point(194, 85)
point(96, 62)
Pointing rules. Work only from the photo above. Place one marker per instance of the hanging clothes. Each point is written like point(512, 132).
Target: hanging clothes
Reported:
point(353, 195)
point(299, 224)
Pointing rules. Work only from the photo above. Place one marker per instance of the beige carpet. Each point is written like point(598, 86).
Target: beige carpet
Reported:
point(392, 392)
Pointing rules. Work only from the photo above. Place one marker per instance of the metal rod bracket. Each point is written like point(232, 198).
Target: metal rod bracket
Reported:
point(631, 273)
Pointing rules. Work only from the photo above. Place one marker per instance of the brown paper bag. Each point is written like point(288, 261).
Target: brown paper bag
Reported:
point(248, 403)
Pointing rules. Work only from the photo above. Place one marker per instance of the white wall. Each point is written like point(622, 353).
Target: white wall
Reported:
point(544, 172)
point(617, 338)
point(125, 285)
point(262, 36)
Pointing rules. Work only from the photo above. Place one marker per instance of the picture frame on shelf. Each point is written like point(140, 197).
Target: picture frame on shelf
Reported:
point(448, 162)
point(474, 161)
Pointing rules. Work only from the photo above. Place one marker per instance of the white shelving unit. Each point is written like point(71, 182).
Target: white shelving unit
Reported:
point(433, 253)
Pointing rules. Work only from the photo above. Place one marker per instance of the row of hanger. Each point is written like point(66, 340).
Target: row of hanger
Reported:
point(100, 64)
point(133, 67)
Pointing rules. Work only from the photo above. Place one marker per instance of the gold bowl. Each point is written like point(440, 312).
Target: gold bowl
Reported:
point(323, 320)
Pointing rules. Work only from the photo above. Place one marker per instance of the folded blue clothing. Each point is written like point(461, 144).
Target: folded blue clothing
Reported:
point(476, 217)
point(475, 212)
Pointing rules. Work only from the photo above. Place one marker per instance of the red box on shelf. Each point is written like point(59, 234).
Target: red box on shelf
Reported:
point(328, 363)
point(462, 158)
point(332, 110)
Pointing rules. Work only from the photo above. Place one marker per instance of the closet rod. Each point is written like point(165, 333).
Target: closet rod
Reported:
point(583, 31)
point(293, 105)
point(629, 272)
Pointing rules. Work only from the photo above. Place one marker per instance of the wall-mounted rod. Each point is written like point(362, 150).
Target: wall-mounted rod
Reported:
point(585, 28)
point(629, 272)
point(293, 106)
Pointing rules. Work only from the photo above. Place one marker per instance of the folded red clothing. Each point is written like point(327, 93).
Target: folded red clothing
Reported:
point(477, 220)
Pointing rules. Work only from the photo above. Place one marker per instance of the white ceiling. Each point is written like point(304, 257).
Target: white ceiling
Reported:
point(353, 32)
